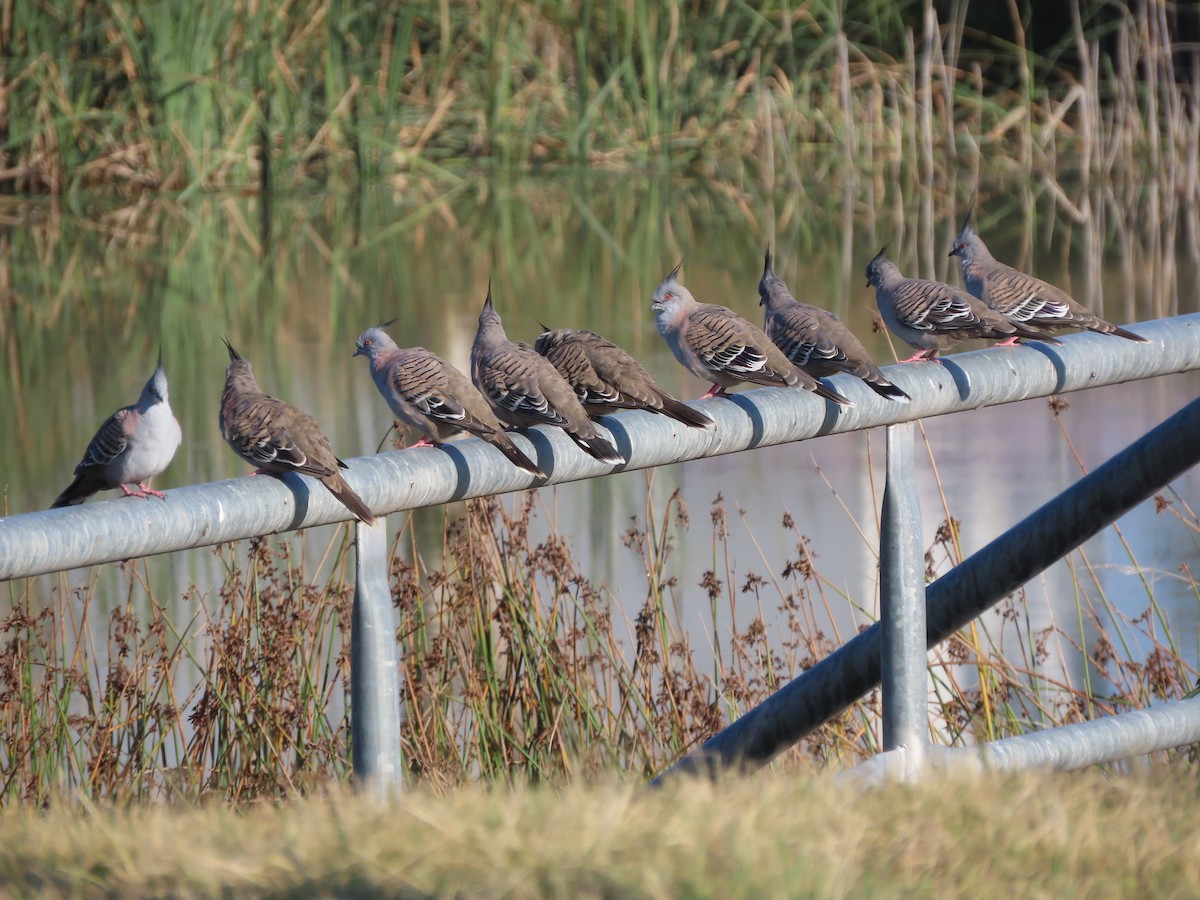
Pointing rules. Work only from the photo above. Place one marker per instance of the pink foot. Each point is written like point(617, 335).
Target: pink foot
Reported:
point(923, 356)
point(715, 391)
point(1008, 342)
point(148, 491)
point(423, 442)
point(129, 493)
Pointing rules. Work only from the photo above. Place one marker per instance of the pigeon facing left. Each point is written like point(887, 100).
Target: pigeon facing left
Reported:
point(1021, 297)
point(277, 437)
point(432, 397)
point(607, 379)
point(931, 316)
point(815, 339)
point(132, 446)
point(524, 389)
point(716, 344)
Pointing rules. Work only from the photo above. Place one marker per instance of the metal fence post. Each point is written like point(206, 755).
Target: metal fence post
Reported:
point(902, 603)
point(374, 674)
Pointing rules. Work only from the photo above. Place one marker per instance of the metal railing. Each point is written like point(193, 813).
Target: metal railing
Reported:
point(203, 515)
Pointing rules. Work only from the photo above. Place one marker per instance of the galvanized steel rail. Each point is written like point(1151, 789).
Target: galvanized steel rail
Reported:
point(966, 591)
point(202, 515)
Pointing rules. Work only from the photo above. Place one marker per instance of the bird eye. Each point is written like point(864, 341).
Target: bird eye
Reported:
point(367, 342)
point(668, 295)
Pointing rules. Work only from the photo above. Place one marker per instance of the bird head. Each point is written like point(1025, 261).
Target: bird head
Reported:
point(238, 367)
point(770, 286)
point(488, 315)
point(670, 294)
point(155, 390)
point(373, 341)
point(966, 242)
point(878, 267)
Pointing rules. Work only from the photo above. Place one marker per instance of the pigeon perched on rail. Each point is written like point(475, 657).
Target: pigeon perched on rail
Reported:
point(132, 446)
point(524, 389)
point(277, 437)
point(931, 316)
point(716, 344)
point(1022, 297)
point(815, 339)
point(606, 379)
point(432, 397)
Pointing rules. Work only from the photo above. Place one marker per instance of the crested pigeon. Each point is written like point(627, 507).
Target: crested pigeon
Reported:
point(132, 446)
point(931, 316)
point(1022, 297)
point(605, 378)
point(716, 344)
point(815, 339)
point(277, 437)
point(524, 389)
point(432, 397)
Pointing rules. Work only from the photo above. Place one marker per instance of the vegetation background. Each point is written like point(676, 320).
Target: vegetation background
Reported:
point(515, 670)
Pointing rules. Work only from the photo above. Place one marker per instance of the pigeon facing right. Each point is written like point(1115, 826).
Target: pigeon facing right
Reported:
point(931, 316)
point(524, 389)
point(815, 339)
point(277, 437)
point(432, 397)
point(1022, 297)
point(606, 378)
point(716, 344)
point(132, 446)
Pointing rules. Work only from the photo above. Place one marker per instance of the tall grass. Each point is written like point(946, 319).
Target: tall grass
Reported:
point(261, 94)
point(515, 664)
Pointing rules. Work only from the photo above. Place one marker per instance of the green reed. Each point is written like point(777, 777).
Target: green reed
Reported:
point(111, 94)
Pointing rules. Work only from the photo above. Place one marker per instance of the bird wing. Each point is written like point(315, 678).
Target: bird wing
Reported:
point(800, 335)
point(1024, 298)
point(724, 342)
point(579, 358)
point(269, 433)
point(934, 307)
point(110, 439)
point(510, 378)
point(420, 379)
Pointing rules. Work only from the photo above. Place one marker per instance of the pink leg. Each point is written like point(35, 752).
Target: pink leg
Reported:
point(423, 442)
point(129, 493)
point(715, 391)
point(148, 491)
point(1008, 342)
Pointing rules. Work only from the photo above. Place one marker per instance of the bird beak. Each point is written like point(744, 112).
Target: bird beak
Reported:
point(358, 351)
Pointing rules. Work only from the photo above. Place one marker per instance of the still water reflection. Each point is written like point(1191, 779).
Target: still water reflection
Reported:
point(92, 292)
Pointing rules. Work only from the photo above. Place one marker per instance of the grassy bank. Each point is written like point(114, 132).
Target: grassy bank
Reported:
point(1036, 835)
point(104, 93)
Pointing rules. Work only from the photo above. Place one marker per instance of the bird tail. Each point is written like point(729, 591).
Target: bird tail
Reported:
point(1034, 334)
point(681, 412)
point(598, 448)
point(885, 388)
point(346, 496)
point(1128, 335)
point(75, 493)
point(823, 390)
point(504, 444)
